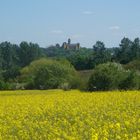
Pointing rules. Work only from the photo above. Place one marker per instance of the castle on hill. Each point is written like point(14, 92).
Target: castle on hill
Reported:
point(71, 46)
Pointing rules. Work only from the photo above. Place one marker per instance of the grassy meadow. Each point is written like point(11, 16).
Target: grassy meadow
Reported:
point(69, 115)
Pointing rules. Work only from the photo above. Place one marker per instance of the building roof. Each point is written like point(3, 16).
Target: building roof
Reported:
point(71, 45)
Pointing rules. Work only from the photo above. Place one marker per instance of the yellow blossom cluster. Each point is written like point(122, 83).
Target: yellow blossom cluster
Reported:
point(69, 115)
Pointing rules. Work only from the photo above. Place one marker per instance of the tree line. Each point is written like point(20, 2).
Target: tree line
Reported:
point(16, 60)
point(88, 58)
point(12, 55)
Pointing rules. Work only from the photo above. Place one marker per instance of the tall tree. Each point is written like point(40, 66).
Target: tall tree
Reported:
point(9, 56)
point(100, 54)
point(136, 48)
point(28, 53)
point(125, 53)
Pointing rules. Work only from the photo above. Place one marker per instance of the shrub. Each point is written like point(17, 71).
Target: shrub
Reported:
point(131, 81)
point(49, 74)
point(11, 74)
point(5, 85)
point(105, 77)
point(112, 76)
point(133, 65)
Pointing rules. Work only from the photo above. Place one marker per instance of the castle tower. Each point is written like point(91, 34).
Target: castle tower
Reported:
point(69, 41)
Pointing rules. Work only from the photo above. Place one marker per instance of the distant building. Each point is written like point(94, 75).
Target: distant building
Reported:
point(71, 46)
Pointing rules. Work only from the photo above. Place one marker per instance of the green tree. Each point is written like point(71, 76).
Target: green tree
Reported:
point(9, 55)
point(136, 49)
point(100, 55)
point(133, 65)
point(125, 54)
point(112, 76)
point(49, 74)
point(28, 53)
point(105, 77)
point(131, 81)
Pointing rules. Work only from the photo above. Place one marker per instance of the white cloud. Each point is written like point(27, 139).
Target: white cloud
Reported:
point(114, 28)
point(56, 31)
point(87, 12)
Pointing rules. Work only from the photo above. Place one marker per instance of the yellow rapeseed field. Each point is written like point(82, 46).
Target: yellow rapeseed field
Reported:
point(71, 115)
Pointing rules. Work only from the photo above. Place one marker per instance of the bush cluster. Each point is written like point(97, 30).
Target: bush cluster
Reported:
point(49, 74)
point(112, 76)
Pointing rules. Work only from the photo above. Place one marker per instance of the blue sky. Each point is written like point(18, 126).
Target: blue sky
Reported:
point(49, 22)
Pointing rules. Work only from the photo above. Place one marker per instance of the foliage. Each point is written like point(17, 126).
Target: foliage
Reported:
point(28, 53)
point(14, 57)
point(125, 53)
point(133, 65)
point(84, 78)
point(86, 58)
point(100, 55)
point(78, 58)
point(49, 74)
point(56, 114)
point(11, 74)
point(5, 85)
point(131, 81)
point(128, 51)
point(112, 76)
point(8, 55)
